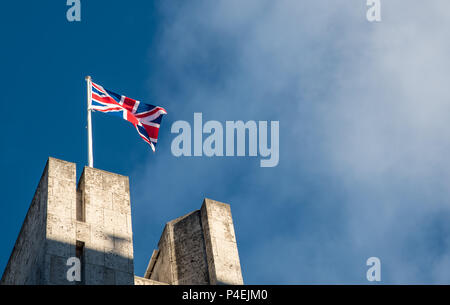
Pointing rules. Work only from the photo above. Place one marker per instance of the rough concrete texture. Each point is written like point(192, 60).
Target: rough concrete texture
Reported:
point(221, 248)
point(198, 248)
point(96, 215)
point(182, 254)
point(143, 281)
point(106, 231)
point(92, 221)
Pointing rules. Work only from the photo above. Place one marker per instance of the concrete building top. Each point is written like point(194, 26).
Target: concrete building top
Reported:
point(91, 220)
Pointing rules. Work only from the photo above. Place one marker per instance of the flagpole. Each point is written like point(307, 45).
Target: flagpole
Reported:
point(89, 122)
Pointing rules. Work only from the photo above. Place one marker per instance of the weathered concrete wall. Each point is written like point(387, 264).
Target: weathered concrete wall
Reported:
point(163, 262)
point(93, 222)
point(182, 254)
point(221, 248)
point(198, 248)
point(107, 231)
point(25, 265)
point(189, 250)
point(96, 215)
point(143, 281)
point(60, 236)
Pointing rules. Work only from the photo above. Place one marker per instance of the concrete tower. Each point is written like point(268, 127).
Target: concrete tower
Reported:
point(198, 248)
point(92, 221)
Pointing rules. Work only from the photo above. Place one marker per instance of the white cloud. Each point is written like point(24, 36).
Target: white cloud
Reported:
point(363, 111)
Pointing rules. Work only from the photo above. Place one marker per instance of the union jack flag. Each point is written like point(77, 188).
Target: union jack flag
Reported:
point(146, 118)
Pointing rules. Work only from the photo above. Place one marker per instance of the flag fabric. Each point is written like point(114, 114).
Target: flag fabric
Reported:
point(145, 118)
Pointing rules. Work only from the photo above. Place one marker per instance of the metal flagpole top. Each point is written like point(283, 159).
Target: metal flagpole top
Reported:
point(89, 123)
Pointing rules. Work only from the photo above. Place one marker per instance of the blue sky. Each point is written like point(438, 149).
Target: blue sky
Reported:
point(363, 111)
